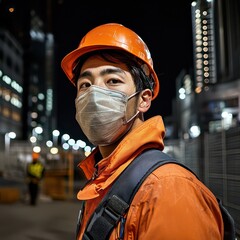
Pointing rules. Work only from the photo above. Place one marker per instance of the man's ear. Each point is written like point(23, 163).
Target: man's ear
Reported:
point(145, 100)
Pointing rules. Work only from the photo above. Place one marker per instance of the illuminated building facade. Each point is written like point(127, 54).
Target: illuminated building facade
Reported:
point(11, 84)
point(40, 96)
point(26, 70)
point(209, 98)
point(203, 44)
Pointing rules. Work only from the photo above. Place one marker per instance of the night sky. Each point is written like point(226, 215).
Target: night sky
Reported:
point(165, 27)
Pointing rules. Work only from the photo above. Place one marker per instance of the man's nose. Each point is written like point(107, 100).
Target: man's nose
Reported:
point(99, 82)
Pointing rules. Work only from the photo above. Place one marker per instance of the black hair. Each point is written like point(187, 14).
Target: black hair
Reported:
point(115, 56)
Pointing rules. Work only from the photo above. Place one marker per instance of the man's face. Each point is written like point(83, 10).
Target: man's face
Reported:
point(112, 76)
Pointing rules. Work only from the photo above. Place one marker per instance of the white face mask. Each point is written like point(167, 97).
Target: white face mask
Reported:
point(101, 114)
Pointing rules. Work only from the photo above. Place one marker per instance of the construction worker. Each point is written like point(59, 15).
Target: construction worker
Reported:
point(113, 72)
point(35, 173)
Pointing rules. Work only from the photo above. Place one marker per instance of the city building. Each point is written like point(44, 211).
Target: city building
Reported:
point(206, 129)
point(11, 86)
point(40, 94)
point(27, 68)
point(208, 99)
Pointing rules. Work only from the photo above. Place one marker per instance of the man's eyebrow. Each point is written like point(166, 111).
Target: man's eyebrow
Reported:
point(85, 74)
point(103, 72)
point(111, 70)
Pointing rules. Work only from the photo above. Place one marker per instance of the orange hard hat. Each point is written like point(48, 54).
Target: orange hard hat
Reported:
point(112, 36)
point(35, 155)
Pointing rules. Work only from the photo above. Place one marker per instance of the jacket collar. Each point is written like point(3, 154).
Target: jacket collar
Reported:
point(149, 134)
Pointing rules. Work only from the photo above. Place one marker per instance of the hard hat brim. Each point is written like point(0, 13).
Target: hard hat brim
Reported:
point(69, 60)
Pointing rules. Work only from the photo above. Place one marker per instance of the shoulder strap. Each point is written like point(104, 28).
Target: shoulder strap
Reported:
point(229, 223)
point(115, 204)
point(117, 201)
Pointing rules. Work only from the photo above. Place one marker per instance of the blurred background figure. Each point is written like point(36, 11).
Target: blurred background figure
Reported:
point(35, 173)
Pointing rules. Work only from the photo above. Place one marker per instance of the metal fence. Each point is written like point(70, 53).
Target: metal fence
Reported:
point(215, 158)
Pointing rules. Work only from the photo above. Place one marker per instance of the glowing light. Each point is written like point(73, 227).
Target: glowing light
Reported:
point(195, 131)
point(65, 146)
point(49, 143)
point(36, 149)
point(54, 150)
point(33, 139)
point(12, 135)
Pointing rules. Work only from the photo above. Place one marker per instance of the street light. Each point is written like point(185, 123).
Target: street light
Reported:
point(35, 134)
point(38, 130)
point(71, 142)
point(54, 150)
point(49, 143)
point(8, 137)
point(55, 134)
point(194, 131)
point(65, 137)
point(65, 146)
point(37, 149)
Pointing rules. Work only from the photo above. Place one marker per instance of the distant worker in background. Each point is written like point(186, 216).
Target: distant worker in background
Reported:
point(35, 173)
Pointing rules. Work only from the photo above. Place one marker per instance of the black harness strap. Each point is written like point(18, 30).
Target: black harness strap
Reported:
point(117, 201)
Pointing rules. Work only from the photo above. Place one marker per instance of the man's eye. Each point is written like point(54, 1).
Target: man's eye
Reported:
point(84, 85)
point(114, 81)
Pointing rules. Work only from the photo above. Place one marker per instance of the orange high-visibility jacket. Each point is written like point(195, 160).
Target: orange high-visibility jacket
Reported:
point(171, 204)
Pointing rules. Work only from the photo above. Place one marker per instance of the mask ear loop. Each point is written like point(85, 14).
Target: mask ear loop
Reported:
point(129, 120)
point(135, 115)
